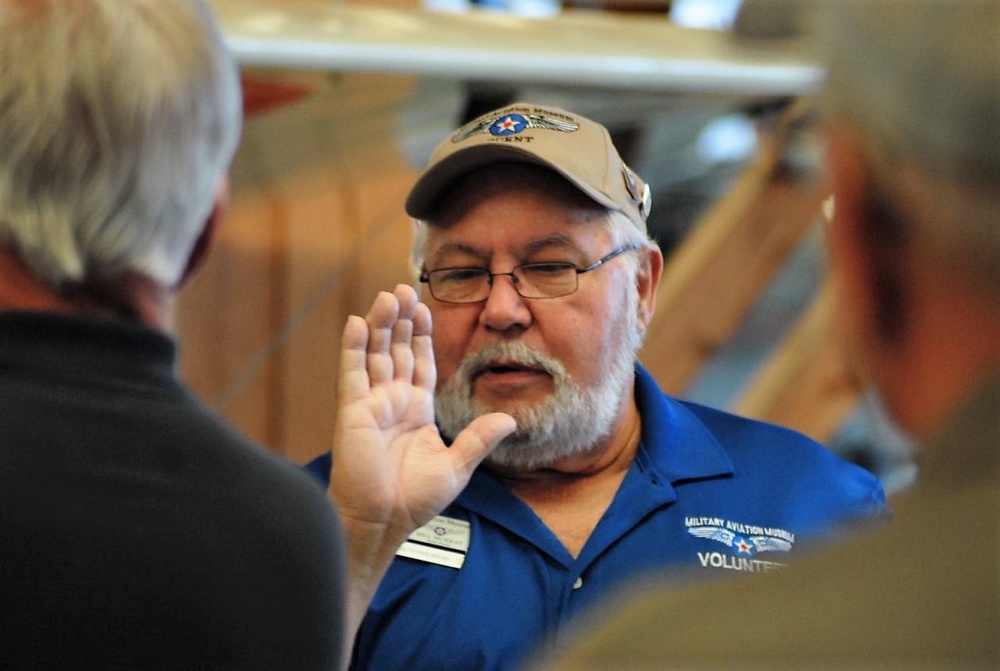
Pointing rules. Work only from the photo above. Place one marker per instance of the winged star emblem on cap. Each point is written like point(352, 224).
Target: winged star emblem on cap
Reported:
point(512, 124)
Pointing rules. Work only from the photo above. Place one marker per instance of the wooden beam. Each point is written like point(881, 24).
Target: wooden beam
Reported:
point(808, 384)
point(728, 258)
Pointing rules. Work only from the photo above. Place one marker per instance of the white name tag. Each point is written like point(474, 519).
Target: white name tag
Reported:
point(443, 541)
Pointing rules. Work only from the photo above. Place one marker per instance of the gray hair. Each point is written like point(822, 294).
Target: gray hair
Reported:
point(919, 80)
point(118, 119)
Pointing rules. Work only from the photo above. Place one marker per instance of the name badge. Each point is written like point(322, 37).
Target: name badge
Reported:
point(443, 541)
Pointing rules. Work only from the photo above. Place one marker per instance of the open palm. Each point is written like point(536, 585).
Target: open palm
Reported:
point(391, 471)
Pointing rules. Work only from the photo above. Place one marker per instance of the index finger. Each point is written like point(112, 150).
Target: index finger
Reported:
point(353, 381)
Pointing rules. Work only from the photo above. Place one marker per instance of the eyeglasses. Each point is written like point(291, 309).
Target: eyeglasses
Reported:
point(531, 280)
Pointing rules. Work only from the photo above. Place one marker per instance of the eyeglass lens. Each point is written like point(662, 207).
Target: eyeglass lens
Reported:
point(470, 285)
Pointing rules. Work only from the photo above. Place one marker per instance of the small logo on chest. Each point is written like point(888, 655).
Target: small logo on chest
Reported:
point(742, 543)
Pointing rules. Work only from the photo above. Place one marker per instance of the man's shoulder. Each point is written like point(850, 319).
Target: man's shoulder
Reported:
point(729, 422)
point(248, 483)
point(277, 479)
point(739, 436)
point(664, 411)
point(771, 463)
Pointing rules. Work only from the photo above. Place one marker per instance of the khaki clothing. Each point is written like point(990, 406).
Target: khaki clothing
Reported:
point(922, 593)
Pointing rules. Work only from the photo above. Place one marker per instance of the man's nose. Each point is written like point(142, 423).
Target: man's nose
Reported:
point(505, 307)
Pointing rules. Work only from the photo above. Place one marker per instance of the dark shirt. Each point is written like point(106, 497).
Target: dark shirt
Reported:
point(137, 529)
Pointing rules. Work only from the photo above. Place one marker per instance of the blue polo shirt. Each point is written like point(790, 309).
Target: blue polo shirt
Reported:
point(709, 491)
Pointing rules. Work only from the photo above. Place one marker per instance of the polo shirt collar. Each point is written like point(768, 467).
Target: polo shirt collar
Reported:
point(675, 441)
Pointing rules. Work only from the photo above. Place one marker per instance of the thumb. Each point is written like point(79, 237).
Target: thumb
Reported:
point(480, 437)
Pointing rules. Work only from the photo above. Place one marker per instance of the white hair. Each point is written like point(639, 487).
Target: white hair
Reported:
point(118, 120)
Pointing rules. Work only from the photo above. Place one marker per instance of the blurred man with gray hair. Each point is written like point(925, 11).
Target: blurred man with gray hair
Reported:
point(913, 99)
point(137, 529)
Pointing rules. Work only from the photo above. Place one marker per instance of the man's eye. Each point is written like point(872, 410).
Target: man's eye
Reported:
point(547, 269)
point(458, 275)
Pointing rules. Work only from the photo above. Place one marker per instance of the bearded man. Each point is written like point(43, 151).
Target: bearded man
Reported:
point(541, 280)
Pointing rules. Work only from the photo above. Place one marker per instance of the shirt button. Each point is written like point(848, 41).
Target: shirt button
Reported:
point(578, 584)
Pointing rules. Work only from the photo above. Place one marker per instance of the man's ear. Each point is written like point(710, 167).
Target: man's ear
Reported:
point(868, 245)
point(648, 281)
point(199, 252)
point(849, 262)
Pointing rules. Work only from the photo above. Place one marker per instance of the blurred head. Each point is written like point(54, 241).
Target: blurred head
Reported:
point(917, 80)
point(912, 101)
point(563, 365)
point(118, 121)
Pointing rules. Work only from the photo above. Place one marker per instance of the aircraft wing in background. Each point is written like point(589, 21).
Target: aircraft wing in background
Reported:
point(576, 47)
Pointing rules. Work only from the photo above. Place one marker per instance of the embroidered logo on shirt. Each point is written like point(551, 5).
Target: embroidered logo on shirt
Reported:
point(744, 542)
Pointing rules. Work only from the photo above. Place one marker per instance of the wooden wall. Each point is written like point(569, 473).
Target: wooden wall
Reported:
point(315, 229)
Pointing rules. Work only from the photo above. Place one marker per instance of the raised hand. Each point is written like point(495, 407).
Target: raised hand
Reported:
point(391, 470)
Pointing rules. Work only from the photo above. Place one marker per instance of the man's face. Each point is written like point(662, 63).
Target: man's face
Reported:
point(561, 366)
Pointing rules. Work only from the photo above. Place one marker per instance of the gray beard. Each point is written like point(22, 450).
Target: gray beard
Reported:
point(571, 420)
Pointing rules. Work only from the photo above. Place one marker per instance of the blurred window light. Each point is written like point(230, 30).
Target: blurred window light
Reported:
point(728, 139)
point(526, 8)
point(453, 6)
point(534, 8)
point(709, 14)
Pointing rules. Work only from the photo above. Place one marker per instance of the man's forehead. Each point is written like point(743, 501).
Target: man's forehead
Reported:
point(573, 239)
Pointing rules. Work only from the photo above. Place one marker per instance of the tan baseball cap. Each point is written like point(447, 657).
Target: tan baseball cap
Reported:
point(576, 147)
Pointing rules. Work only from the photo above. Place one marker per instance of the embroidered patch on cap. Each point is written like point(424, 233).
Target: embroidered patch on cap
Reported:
point(512, 124)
